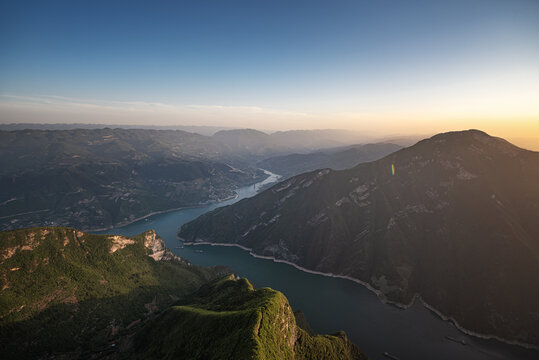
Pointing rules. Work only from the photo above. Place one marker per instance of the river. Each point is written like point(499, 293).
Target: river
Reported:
point(332, 304)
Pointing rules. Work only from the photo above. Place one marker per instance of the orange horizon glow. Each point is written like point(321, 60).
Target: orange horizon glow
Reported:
point(520, 127)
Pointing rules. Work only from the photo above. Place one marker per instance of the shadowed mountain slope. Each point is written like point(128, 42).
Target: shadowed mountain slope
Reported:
point(453, 219)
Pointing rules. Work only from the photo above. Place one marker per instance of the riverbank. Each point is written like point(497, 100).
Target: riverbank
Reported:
point(125, 223)
point(381, 296)
point(270, 179)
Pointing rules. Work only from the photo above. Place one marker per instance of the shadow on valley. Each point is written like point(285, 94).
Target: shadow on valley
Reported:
point(87, 329)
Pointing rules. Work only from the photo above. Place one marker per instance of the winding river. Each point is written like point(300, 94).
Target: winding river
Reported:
point(333, 304)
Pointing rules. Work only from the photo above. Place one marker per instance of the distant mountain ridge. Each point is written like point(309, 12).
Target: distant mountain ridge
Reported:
point(452, 219)
point(336, 159)
point(304, 140)
point(202, 130)
point(281, 142)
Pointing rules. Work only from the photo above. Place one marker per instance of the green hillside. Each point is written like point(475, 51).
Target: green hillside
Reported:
point(229, 319)
point(71, 295)
point(68, 291)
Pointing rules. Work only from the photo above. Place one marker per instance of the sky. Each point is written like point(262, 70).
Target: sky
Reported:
point(384, 66)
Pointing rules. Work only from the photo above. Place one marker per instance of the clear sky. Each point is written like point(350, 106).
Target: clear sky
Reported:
point(383, 66)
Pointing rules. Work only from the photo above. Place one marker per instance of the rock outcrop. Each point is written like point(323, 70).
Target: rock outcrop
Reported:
point(159, 252)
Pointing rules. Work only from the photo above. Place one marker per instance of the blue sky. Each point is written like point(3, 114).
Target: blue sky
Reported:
point(271, 63)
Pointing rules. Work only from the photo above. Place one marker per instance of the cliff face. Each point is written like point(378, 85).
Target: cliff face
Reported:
point(159, 252)
point(229, 319)
point(452, 218)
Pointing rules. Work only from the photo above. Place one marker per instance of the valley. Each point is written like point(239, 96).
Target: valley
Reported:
point(97, 178)
point(344, 295)
point(269, 180)
point(412, 333)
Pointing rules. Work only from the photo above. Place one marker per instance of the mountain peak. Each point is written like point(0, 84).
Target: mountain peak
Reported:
point(472, 135)
point(459, 144)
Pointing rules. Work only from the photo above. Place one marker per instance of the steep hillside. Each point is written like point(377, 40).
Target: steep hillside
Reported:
point(452, 219)
point(336, 159)
point(71, 295)
point(229, 319)
point(98, 178)
point(64, 291)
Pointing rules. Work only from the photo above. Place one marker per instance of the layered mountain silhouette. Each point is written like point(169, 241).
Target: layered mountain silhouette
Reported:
point(336, 159)
point(258, 144)
point(98, 178)
point(453, 219)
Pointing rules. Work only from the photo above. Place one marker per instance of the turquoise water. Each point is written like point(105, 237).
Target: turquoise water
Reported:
point(332, 304)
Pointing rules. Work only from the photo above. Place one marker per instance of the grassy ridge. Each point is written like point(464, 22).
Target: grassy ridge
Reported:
point(229, 319)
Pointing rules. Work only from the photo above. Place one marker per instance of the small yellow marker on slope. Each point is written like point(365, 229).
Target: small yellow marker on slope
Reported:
point(392, 169)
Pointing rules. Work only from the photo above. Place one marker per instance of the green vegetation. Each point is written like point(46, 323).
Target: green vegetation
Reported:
point(72, 295)
point(228, 319)
point(64, 291)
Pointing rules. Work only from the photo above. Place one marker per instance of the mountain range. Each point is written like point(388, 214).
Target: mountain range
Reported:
point(255, 142)
point(99, 178)
point(451, 221)
point(336, 159)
